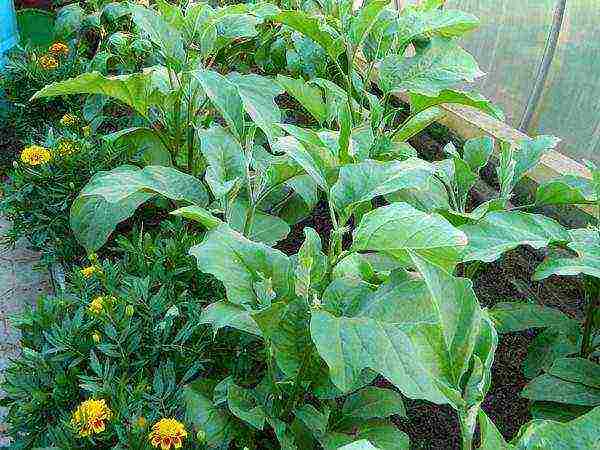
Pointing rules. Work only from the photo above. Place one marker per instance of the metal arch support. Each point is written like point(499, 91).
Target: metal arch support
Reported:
point(544, 67)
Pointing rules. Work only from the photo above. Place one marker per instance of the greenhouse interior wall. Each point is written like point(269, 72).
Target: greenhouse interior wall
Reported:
point(509, 47)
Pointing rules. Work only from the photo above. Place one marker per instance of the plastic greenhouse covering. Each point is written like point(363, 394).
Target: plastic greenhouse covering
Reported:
point(510, 46)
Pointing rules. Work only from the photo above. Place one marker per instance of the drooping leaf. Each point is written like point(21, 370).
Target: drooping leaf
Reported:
point(225, 314)
point(515, 316)
point(142, 143)
point(398, 228)
point(499, 232)
point(201, 411)
point(265, 228)
point(124, 181)
point(577, 370)
point(362, 182)
point(93, 219)
point(136, 90)
point(441, 66)
point(162, 35)
point(241, 264)
point(420, 102)
point(566, 190)
point(548, 346)
point(552, 389)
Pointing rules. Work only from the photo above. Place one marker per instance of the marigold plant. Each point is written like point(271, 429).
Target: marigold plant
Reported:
point(48, 62)
point(35, 155)
point(88, 272)
point(167, 433)
point(90, 417)
point(68, 120)
point(96, 305)
point(59, 49)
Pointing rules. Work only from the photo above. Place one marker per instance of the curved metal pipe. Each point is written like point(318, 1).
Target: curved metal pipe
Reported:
point(544, 67)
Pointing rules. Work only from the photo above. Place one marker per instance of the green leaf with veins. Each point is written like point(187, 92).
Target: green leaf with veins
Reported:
point(501, 231)
point(362, 182)
point(244, 404)
point(442, 65)
point(225, 314)
point(372, 402)
point(142, 143)
point(417, 123)
point(162, 35)
point(265, 228)
point(363, 22)
point(420, 102)
point(398, 228)
point(240, 264)
point(566, 190)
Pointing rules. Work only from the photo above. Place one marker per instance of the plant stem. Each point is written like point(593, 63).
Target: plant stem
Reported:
point(592, 301)
point(467, 419)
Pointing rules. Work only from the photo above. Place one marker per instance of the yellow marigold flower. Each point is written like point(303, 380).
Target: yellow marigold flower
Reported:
point(167, 433)
point(48, 62)
point(66, 147)
point(96, 306)
point(87, 272)
point(59, 49)
point(35, 155)
point(68, 120)
point(90, 417)
point(96, 337)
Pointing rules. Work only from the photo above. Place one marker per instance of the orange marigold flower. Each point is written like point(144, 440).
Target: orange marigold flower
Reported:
point(35, 155)
point(59, 49)
point(90, 417)
point(48, 62)
point(167, 433)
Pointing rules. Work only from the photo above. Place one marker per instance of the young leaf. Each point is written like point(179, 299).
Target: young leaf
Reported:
point(198, 214)
point(417, 123)
point(224, 314)
point(163, 35)
point(373, 402)
point(499, 232)
point(362, 24)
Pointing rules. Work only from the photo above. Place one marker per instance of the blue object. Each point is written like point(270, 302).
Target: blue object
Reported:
point(9, 36)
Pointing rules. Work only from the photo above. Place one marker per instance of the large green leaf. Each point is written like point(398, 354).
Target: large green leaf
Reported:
point(549, 388)
point(198, 214)
point(416, 123)
point(577, 370)
point(225, 158)
point(419, 334)
point(225, 97)
point(69, 20)
point(566, 190)
point(137, 90)
point(420, 102)
point(243, 266)
point(581, 433)
point(308, 96)
point(258, 97)
point(315, 29)
point(122, 182)
point(547, 347)
point(359, 183)
point(265, 228)
point(499, 232)
point(93, 219)
point(371, 434)
point(398, 228)
point(515, 316)
point(162, 35)
point(142, 143)
point(441, 22)
point(441, 66)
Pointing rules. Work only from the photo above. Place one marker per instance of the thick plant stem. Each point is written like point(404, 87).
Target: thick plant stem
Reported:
point(586, 341)
point(467, 421)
